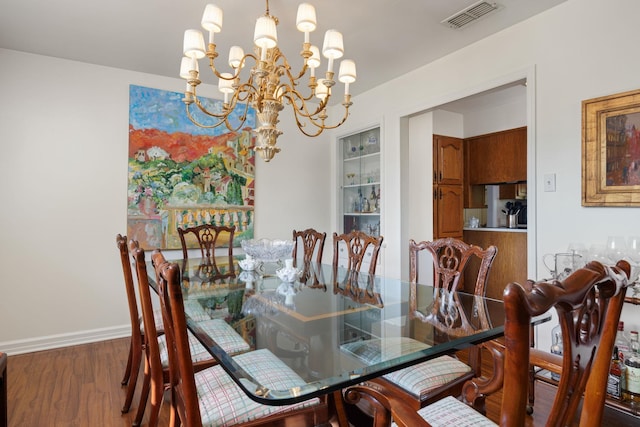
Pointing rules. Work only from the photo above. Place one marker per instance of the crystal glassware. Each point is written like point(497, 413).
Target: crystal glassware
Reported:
point(616, 248)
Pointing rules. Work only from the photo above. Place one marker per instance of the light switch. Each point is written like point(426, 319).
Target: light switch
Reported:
point(550, 182)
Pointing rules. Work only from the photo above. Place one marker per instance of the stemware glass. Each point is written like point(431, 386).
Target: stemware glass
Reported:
point(598, 252)
point(633, 253)
point(616, 248)
point(580, 254)
point(633, 248)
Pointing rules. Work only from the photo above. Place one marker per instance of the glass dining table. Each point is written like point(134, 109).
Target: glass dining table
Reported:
point(333, 328)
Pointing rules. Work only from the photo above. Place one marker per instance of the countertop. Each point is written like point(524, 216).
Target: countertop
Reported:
point(498, 229)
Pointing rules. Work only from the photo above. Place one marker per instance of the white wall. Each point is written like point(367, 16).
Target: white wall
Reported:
point(570, 62)
point(507, 111)
point(63, 127)
point(63, 169)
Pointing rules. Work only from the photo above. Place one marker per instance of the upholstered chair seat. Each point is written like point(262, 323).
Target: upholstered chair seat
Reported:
point(452, 412)
point(223, 403)
point(419, 380)
point(226, 337)
point(422, 379)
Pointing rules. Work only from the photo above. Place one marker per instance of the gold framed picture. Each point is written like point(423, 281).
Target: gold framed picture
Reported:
point(611, 150)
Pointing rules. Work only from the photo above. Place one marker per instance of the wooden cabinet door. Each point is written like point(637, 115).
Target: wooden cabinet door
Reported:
point(499, 157)
point(448, 168)
point(515, 145)
point(448, 211)
point(478, 160)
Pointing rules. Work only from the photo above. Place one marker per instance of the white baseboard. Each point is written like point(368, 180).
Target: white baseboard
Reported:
point(63, 340)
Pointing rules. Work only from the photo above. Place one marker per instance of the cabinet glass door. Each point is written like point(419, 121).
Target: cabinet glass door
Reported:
point(361, 196)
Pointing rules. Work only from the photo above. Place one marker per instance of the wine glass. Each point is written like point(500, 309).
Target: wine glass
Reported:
point(580, 254)
point(633, 248)
point(598, 252)
point(616, 248)
point(633, 253)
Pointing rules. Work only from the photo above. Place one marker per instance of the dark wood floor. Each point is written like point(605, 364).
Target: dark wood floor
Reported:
point(80, 386)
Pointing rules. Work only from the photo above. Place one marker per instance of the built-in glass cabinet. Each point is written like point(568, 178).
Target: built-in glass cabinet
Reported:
point(361, 195)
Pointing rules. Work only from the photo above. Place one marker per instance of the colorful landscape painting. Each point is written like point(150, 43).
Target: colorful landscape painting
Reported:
point(182, 175)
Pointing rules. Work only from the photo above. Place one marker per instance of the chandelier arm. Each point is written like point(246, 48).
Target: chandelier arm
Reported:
point(224, 119)
point(287, 68)
point(242, 93)
point(293, 83)
point(237, 71)
point(300, 107)
point(202, 125)
point(318, 123)
point(245, 88)
point(229, 126)
point(202, 108)
point(286, 88)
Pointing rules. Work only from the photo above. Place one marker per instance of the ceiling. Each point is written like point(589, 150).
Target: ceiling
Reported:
point(386, 39)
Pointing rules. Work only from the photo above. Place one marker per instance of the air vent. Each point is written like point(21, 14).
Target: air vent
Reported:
point(470, 14)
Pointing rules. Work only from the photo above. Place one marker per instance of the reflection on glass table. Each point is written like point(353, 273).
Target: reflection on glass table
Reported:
point(362, 329)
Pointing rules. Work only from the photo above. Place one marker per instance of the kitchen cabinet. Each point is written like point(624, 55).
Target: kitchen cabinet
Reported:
point(360, 178)
point(513, 191)
point(448, 165)
point(497, 158)
point(448, 179)
point(474, 195)
point(510, 263)
point(448, 208)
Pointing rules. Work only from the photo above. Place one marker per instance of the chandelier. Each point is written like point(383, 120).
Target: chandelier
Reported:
point(270, 82)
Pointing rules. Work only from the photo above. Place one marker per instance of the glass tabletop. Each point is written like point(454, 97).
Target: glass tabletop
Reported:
point(333, 328)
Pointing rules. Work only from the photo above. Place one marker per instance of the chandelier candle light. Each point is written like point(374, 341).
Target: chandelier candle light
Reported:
point(270, 81)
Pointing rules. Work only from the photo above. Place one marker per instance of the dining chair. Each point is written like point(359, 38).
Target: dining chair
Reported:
point(356, 251)
point(588, 303)
point(429, 381)
point(210, 397)
point(312, 242)
point(3, 390)
point(136, 344)
point(156, 368)
point(208, 237)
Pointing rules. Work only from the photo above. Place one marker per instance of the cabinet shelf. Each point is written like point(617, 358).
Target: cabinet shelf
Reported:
point(364, 184)
point(358, 158)
point(362, 214)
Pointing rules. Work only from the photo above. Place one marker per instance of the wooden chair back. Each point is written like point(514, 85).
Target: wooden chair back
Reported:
point(152, 349)
point(134, 315)
point(358, 245)
point(358, 281)
point(3, 390)
point(588, 303)
point(130, 377)
point(182, 382)
point(312, 241)
point(450, 257)
point(209, 237)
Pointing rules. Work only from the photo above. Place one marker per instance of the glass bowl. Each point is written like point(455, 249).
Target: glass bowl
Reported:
point(267, 250)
